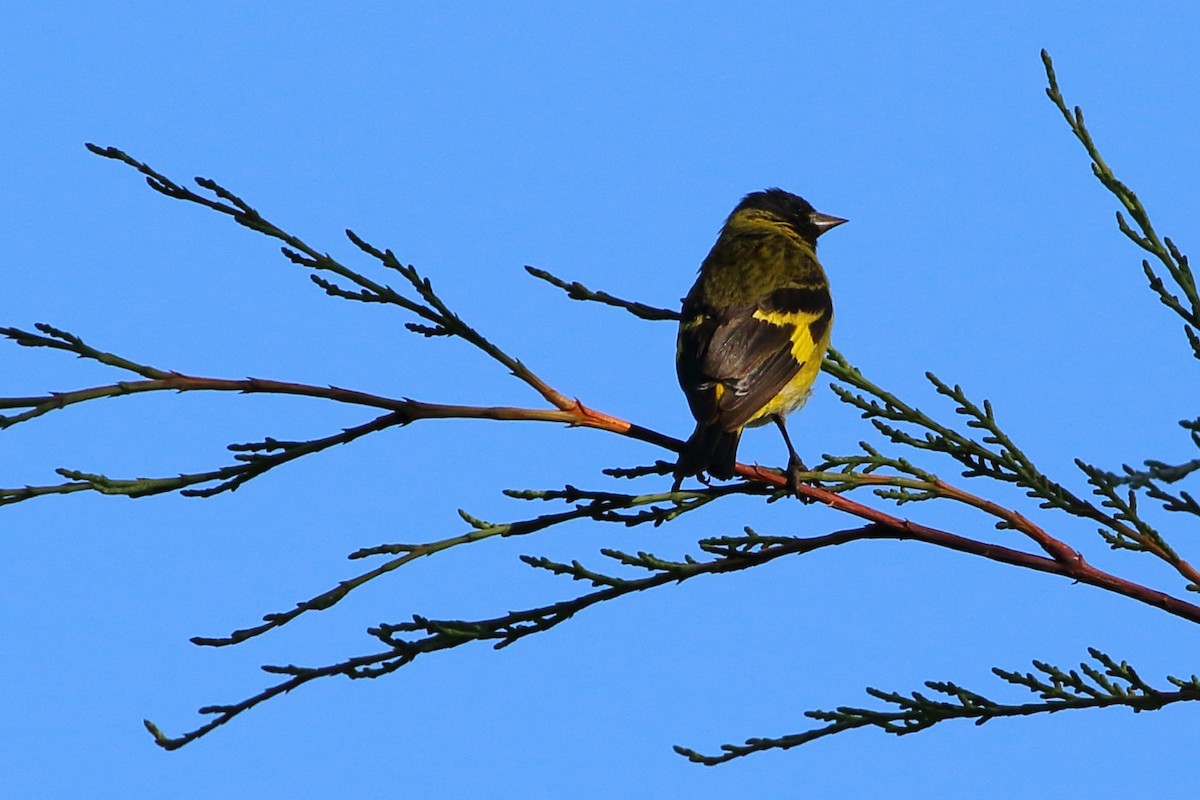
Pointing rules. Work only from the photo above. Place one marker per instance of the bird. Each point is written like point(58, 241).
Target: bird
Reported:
point(753, 330)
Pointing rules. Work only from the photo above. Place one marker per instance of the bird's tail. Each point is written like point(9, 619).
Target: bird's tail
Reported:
point(709, 449)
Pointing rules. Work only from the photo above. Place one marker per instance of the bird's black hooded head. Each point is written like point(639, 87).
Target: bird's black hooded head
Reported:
point(796, 212)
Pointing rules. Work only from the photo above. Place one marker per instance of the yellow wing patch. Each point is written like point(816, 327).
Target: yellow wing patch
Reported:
point(808, 354)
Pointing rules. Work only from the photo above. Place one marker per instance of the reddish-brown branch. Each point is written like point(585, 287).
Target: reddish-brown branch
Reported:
point(1066, 561)
point(567, 411)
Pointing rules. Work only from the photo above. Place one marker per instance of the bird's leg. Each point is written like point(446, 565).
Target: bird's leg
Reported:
point(795, 466)
point(679, 480)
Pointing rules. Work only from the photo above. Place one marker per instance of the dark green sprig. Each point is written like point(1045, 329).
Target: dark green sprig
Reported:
point(650, 562)
point(1176, 267)
point(55, 401)
point(1191, 683)
point(57, 339)
point(20, 494)
point(516, 625)
point(577, 291)
point(240, 211)
point(656, 509)
point(1150, 481)
point(655, 515)
point(1163, 250)
point(750, 542)
point(870, 460)
point(333, 290)
point(1137, 534)
point(475, 522)
point(900, 490)
point(1174, 502)
point(993, 455)
point(445, 321)
point(428, 306)
point(598, 506)
point(901, 495)
point(1156, 471)
point(1101, 684)
point(441, 634)
point(568, 494)
point(575, 569)
point(659, 467)
point(255, 459)
point(1115, 681)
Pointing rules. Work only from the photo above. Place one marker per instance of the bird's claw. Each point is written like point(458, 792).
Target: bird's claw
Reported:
point(795, 472)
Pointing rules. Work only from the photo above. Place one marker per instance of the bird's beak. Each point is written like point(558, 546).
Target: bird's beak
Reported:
point(824, 222)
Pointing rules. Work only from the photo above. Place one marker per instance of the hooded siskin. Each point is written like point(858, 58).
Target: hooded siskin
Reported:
point(754, 328)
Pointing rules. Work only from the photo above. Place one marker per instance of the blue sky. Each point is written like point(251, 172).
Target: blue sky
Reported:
point(605, 144)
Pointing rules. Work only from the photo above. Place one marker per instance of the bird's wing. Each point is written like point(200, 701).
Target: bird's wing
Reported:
point(734, 361)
